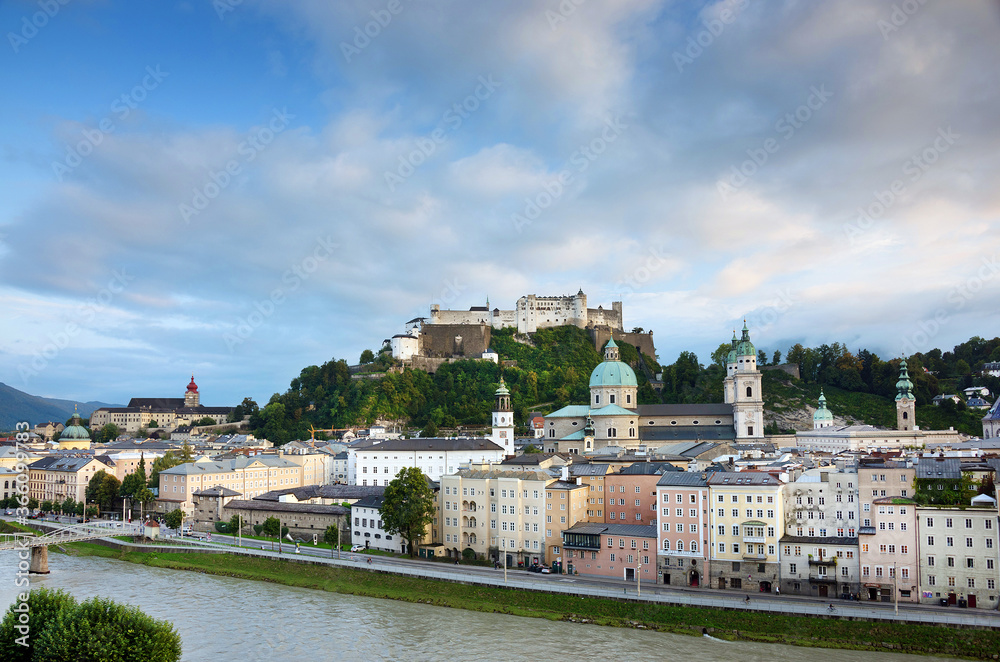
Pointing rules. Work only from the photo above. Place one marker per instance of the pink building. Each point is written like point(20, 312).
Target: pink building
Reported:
point(682, 548)
point(623, 551)
point(631, 493)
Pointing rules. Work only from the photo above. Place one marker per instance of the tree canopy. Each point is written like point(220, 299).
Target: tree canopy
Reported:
point(408, 506)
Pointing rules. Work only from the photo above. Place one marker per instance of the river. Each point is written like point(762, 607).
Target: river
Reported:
point(221, 618)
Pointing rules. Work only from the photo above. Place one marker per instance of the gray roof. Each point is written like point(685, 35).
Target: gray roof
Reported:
point(583, 469)
point(632, 530)
point(216, 491)
point(729, 478)
point(198, 468)
point(939, 467)
point(336, 492)
point(683, 479)
point(716, 410)
point(282, 507)
point(522, 475)
point(994, 413)
point(648, 469)
point(442, 444)
point(687, 432)
point(687, 448)
point(373, 501)
point(67, 464)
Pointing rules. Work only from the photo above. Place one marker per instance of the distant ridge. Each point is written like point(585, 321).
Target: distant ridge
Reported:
point(16, 406)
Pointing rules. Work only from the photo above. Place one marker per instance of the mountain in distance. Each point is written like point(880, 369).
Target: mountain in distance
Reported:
point(17, 406)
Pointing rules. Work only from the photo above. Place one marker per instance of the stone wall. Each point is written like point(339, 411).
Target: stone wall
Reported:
point(641, 341)
point(455, 340)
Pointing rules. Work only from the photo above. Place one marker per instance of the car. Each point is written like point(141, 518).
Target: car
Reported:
point(544, 570)
point(358, 548)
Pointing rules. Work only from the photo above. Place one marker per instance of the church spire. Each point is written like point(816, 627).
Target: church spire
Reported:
point(904, 386)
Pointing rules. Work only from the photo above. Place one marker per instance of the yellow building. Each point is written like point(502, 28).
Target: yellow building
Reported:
point(565, 506)
point(58, 478)
point(747, 520)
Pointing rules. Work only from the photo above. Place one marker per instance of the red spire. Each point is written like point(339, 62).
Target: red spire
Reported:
point(192, 387)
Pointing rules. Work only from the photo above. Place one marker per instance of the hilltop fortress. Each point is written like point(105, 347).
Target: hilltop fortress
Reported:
point(453, 334)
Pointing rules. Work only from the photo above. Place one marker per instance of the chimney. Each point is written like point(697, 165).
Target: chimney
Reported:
point(565, 475)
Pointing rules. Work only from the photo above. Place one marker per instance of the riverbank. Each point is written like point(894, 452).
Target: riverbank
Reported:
point(725, 624)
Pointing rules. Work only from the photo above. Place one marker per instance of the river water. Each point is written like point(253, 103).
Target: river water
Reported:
point(221, 618)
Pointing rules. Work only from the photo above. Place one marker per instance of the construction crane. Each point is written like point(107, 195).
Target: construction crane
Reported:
point(313, 431)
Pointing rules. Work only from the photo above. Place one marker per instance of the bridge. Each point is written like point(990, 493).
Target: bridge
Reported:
point(39, 545)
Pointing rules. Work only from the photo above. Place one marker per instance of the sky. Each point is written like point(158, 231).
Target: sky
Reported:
point(240, 189)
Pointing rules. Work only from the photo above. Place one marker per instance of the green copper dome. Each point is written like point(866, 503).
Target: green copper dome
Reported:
point(822, 414)
point(904, 385)
point(745, 347)
point(74, 430)
point(503, 388)
point(611, 371)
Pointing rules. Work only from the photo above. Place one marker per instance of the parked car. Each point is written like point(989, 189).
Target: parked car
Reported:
point(358, 548)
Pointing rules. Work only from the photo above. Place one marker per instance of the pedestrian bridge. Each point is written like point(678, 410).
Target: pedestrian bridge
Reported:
point(39, 545)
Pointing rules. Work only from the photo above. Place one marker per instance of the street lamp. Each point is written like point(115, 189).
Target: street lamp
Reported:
point(638, 580)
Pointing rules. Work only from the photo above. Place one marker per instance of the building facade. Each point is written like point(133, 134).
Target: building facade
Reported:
point(379, 463)
point(683, 528)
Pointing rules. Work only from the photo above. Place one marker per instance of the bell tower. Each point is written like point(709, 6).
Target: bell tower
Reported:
point(748, 400)
point(906, 403)
point(191, 397)
point(503, 420)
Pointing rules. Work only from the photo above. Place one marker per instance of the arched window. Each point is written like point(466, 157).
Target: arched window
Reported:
point(680, 545)
point(749, 392)
point(666, 545)
point(694, 546)
point(906, 415)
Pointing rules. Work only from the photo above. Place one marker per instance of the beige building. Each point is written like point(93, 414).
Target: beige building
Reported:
point(565, 506)
point(250, 476)
point(209, 507)
point(746, 511)
point(58, 478)
point(593, 476)
point(305, 521)
point(887, 535)
point(495, 513)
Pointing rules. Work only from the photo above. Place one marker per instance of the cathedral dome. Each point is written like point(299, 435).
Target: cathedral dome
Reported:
point(745, 347)
point(74, 431)
point(822, 415)
point(611, 371)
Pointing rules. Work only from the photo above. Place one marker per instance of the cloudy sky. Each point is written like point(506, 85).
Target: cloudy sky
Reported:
point(239, 189)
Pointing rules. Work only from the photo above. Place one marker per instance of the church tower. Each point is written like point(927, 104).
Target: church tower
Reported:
point(748, 400)
point(729, 383)
point(191, 397)
point(906, 404)
point(823, 418)
point(503, 421)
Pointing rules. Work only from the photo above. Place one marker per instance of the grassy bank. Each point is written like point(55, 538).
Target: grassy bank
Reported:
point(725, 624)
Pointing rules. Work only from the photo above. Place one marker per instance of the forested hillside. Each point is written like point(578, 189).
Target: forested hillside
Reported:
point(553, 369)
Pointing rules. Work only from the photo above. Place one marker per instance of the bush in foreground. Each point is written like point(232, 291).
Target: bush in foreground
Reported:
point(97, 630)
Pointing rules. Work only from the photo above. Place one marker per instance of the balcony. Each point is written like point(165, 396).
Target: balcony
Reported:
point(829, 563)
point(755, 557)
point(755, 539)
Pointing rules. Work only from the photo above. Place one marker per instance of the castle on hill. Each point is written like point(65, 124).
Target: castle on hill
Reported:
point(453, 334)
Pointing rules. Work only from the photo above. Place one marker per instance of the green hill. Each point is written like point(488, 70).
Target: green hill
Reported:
point(552, 368)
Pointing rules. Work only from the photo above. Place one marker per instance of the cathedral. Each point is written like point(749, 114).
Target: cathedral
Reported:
point(613, 416)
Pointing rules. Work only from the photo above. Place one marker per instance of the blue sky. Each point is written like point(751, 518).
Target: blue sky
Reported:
point(241, 189)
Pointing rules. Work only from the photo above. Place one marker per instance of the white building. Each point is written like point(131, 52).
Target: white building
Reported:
point(379, 463)
point(366, 527)
point(958, 555)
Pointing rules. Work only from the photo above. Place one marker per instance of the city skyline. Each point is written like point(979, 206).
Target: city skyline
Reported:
point(239, 190)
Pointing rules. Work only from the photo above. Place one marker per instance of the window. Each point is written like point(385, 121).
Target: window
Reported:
point(931, 580)
point(949, 541)
point(968, 542)
point(792, 568)
point(930, 561)
point(930, 540)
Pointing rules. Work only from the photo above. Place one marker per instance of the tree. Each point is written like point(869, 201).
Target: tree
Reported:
point(761, 357)
point(107, 433)
point(144, 496)
point(430, 430)
point(100, 629)
point(165, 461)
point(367, 357)
point(68, 506)
point(135, 483)
point(408, 506)
point(247, 408)
point(271, 525)
point(43, 606)
point(776, 360)
point(175, 518)
point(47, 506)
point(332, 537)
point(205, 420)
point(531, 448)
point(187, 453)
point(236, 522)
point(103, 489)
point(154, 424)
